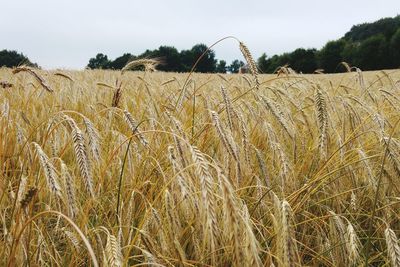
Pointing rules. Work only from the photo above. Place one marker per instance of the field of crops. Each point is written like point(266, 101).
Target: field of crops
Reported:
point(167, 169)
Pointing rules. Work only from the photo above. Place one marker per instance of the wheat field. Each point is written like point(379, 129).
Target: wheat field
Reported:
point(103, 168)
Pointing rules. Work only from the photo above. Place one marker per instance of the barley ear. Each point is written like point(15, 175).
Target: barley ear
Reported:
point(250, 61)
point(81, 156)
point(49, 171)
point(393, 247)
point(113, 251)
point(322, 116)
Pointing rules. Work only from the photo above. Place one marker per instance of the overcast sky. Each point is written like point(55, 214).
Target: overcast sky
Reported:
point(65, 34)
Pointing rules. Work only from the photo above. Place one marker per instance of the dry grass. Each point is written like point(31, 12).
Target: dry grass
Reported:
point(303, 170)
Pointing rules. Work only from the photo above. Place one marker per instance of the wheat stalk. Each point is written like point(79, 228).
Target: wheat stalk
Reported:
point(69, 188)
point(289, 248)
point(338, 238)
point(179, 179)
point(322, 115)
point(226, 138)
point(177, 126)
point(278, 114)
point(93, 138)
point(73, 238)
point(49, 171)
point(352, 245)
point(134, 127)
point(81, 156)
point(207, 196)
point(21, 188)
point(228, 107)
point(117, 95)
point(113, 251)
point(42, 82)
point(149, 64)
point(64, 76)
point(250, 61)
point(5, 108)
point(263, 167)
point(252, 246)
point(393, 247)
point(232, 217)
point(30, 193)
point(245, 137)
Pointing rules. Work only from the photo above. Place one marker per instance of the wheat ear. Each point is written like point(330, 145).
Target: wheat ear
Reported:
point(206, 184)
point(93, 138)
point(289, 248)
point(226, 138)
point(69, 188)
point(250, 61)
point(228, 106)
point(35, 75)
point(49, 171)
point(393, 247)
point(352, 245)
point(134, 127)
point(113, 251)
point(149, 64)
point(30, 193)
point(81, 156)
point(322, 115)
point(232, 217)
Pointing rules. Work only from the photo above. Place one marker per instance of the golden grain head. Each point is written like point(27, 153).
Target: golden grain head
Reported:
point(300, 172)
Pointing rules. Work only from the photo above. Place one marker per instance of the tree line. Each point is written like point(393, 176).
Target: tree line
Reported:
point(11, 58)
point(170, 58)
point(369, 46)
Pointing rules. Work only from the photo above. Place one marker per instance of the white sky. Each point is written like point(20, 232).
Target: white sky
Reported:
point(65, 34)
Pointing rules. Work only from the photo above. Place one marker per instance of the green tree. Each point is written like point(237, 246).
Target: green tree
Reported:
point(330, 55)
point(189, 58)
point(263, 63)
point(149, 54)
point(277, 61)
point(186, 60)
point(385, 26)
point(99, 62)
point(303, 60)
point(121, 61)
point(235, 66)
point(372, 54)
point(170, 58)
point(13, 58)
point(349, 54)
point(395, 49)
point(221, 66)
point(207, 62)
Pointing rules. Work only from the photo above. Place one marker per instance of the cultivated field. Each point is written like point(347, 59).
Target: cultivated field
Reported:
point(167, 169)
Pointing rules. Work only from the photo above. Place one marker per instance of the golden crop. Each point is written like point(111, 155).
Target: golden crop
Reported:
point(168, 169)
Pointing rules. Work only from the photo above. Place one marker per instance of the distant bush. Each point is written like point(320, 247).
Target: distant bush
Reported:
point(12, 58)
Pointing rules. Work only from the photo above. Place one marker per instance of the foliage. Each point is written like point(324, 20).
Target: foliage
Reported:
point(120, 62)
point(385, 26)
point(11, 59)
point(235, 66)
point(395, 49)
point(331, 55)
point(368, 46)
point(101, 61)
point(207, 63)
point(221, 67)
point(171, 59)
point(373, 53)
